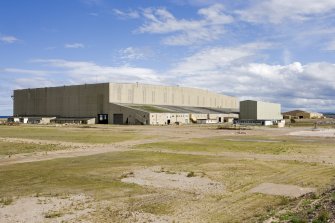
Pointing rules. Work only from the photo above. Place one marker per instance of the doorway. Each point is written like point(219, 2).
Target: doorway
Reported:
point(102, 118)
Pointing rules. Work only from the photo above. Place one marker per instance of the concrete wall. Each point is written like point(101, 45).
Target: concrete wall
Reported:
point(168, 95)
point(258, 110)
point(67, 101)
point(268, 111)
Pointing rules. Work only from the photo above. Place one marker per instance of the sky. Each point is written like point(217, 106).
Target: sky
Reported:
point(268, 50)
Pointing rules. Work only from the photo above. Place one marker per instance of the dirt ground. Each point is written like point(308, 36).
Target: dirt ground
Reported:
point(282, 189)
point(315, 132)
point(185, 185)
point(160, 178)
point(40, 209)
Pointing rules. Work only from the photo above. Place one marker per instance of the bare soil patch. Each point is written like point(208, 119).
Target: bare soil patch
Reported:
point(282, 190)
point(47, 209)
point(142, 217)
point(182, 181)
point(315, 133)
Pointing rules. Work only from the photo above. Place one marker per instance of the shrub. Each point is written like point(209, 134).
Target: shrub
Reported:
point(53, 214)
point(191, 174)
point(6, 200)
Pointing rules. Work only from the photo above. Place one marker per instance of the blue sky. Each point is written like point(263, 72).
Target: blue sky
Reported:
point(270, 50)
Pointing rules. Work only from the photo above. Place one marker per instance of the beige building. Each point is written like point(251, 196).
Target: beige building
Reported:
point(124, 103)
point(299, 114)
point(264, 113)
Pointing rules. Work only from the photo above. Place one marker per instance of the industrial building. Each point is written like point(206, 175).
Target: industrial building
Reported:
point(258, 112)
point(299, 114)
point(114, 103)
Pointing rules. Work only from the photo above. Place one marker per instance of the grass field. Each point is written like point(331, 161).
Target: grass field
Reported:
point(250, 144)
point(9, 148)
point(99, 176)
point(66, 134)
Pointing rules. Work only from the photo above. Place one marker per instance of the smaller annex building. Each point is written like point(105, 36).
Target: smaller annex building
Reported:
point(167, 114)
point(300, 114)
point(259, 113)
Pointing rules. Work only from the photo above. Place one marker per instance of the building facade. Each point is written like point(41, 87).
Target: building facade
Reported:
point(124, 103)
point(259, 112)
point(299, 114)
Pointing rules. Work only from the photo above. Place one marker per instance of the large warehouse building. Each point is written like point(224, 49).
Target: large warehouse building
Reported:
point(126, 104)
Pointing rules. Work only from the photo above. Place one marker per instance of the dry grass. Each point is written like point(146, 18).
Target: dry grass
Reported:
point(10, 148)
point(69, 134)
point(100, 176)
point(250, 144)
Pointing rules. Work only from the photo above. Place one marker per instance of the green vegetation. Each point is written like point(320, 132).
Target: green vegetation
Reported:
point(159, 208)
point(6, 200)
point(190, 174)
point(310, 208)
point(68, 134)
point(53, 214)
point(9, 148)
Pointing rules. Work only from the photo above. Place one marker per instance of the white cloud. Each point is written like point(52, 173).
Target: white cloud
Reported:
point(82, 71)
point(28, 72)
point(275, 11)
point(231, 71)
point(131, 14)
point(216, 59)
point(234, 71)
point(132, 53)
point(34, 82)
point(182, 31)
point(8, 39)
point(74, 45)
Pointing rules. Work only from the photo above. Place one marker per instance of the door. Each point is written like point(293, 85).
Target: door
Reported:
point(118, 119)
point(102, 118)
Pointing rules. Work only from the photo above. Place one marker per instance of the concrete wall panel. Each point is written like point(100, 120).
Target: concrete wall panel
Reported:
point(67, 101)
point(169, 95)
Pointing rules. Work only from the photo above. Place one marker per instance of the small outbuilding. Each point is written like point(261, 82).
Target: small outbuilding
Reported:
point(300, 114)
